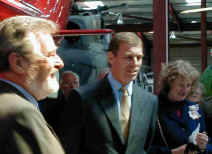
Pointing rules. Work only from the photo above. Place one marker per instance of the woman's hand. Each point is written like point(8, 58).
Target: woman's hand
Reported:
point(202, 140)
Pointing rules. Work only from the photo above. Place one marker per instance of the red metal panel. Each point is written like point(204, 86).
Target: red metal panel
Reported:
point(56, 10)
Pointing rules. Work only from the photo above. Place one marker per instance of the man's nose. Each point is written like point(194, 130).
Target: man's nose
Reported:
point(135, 61)
point(58, 62)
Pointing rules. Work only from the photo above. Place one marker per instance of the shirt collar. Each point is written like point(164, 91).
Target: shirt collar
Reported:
point(117, 85)
point(29, 97)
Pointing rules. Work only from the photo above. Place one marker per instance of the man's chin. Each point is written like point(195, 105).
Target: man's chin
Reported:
point(51, 87)
point(132, 78)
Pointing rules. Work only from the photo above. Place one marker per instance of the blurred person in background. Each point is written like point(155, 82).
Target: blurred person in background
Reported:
point(103, 73)
point(28, 64)
point(69, 80)
point(52, 107)
point(206, 80)
point(197, 93)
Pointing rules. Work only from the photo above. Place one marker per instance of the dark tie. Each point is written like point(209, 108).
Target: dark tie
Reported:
point(125, 112)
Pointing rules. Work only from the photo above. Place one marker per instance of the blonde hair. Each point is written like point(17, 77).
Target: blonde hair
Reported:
point(175, 69)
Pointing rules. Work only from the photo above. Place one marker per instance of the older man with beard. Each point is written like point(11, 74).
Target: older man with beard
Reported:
point(28, 63)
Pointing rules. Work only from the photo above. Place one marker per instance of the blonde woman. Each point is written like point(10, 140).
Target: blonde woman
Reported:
point(180, 121)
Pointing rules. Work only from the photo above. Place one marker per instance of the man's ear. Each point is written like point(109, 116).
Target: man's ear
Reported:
point(17, 63)
point(110, 57)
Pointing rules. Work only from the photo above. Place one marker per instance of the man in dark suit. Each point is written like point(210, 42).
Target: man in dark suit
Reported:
point(93, 121)
point(51, 107)
point(28, 63)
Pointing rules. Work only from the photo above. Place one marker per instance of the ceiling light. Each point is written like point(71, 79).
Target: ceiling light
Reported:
point(193, 22)
point(172, 35)
point(193, 2)
point(120, 19)
point(196, 10)
point(90, 5)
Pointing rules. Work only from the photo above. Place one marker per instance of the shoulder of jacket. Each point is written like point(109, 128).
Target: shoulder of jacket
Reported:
point(12, 104)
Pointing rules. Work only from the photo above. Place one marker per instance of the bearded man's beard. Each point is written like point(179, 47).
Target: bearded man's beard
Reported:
point(32, 81)
point(32, 74)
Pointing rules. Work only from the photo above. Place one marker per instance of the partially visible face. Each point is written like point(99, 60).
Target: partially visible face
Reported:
point(102, 74)
point(44, 65)
point(179, 89)
point(196, 96)
point(125, 66)
point(68, 82)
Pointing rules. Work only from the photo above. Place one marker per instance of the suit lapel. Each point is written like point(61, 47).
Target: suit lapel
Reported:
point(108, 103)
point(137, 103)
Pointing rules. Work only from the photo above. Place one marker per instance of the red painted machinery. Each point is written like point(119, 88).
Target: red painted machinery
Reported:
point(56, 10)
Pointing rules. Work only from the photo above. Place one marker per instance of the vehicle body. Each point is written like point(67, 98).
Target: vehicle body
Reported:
point(86, 54)
point(56, 10)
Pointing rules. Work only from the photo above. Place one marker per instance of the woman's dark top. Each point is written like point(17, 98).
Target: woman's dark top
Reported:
point(180, 122)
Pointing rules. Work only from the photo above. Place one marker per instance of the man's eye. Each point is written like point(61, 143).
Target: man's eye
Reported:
point(129, 58)
point(188, 85)
point(139, 57)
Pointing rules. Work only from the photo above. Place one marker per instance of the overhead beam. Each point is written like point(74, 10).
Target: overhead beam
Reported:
point(147, 27)
point(175, 16)
point(136, 17)
point(188, 45)
point(131, 27)
point(191, 38)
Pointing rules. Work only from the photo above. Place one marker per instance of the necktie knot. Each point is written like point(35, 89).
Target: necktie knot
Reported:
point(124, 91)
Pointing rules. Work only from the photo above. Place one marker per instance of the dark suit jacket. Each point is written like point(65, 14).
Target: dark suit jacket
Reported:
point(90, 123)
point(51, 108)
point(23, 129)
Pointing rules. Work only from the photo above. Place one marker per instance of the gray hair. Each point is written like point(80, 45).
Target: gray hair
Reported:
point(69, 72)
point(14, 33)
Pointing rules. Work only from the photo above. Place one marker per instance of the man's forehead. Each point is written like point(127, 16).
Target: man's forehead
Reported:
point(35, 43)
point(135, 50)
point(69, 76)
point(42, 42)
point(47, 41)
